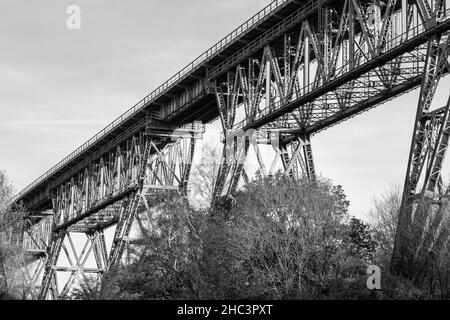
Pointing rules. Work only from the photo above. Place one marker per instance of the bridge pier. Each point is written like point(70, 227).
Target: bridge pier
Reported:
point(424, 214)
point(32, 272)
point(290, 155)
point(289, 146)
point(114, 191)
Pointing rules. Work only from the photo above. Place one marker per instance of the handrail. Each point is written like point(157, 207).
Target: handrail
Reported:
point(217, 69)
point(273, 6)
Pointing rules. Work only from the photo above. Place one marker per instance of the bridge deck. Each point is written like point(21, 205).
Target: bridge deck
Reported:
point(198, 103)
point(132, 119)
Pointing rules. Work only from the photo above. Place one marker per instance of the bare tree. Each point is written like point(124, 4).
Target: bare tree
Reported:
point(6, 191)
point(431, 266)
point(5, 196)
point(383, 219)
point(279, 240)
point(11, 255)
point(204, 176)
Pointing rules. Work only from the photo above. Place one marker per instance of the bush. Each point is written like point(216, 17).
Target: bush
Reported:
point(278, 239)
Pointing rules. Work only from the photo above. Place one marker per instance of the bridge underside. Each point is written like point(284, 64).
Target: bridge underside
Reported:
point(308, 68)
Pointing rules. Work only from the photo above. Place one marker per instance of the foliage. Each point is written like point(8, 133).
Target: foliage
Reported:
point(280, 239)
point(360, 241)
point(90, 289)
point(280, 235)
point(12, 285)
point(6, 191)
point(383, 220)
point(277, 238)
point(436, 270)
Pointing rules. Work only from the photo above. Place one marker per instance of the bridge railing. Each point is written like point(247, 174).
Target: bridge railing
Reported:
point(261, 15)
point(262, 39)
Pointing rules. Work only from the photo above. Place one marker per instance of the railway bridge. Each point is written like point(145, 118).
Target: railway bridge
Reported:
point(292, 70)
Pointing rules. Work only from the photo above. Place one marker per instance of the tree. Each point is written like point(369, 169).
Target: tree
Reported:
point(435, 265)
point(204, 176)
point(6, 191)
point(5, 196)
point(360, 241)
point(11, 256)
point(383, 220)
point(168, 259)
point(284, 240)
point(280, 238)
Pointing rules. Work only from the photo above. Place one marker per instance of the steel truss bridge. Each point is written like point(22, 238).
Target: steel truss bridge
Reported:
point(294, 69)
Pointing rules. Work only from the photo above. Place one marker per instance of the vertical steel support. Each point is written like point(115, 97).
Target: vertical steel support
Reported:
point(100, 251)
point(415, 204)
point(231, 168)
point(235, 146)
point(268, 82)
point(158, 161)
point(405, 16)
point(297, 158)
point(306, 64)
point(351, 40)
point(123, 229)
point(49, 278)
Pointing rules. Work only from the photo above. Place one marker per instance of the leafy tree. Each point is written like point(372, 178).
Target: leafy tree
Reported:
point(281, 234)
point(360, 240)
point(166, 264)
point(280, 239)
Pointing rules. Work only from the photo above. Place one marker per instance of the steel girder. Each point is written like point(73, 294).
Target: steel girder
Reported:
point(352, 58)
point(32, 272)
point(49, 281)
point(111, 191)
point(36, 235)
point(296, 158)
point(301, 61)
point(294, 151)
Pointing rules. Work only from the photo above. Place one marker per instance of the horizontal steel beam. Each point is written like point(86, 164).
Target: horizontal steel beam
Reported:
point(107, 202)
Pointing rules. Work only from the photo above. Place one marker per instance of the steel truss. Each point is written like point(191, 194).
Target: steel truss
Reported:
point(302, 61)
point(112, 190)
point(333, 68)
point(322, 65)
point(353, 57)
point(293, 150)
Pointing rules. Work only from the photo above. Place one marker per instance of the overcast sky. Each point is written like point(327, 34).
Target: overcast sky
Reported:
point(60, 87)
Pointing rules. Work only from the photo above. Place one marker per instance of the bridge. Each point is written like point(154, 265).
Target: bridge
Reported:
point(293, 70)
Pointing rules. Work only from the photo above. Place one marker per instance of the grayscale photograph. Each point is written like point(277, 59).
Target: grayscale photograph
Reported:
point(226, 156)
